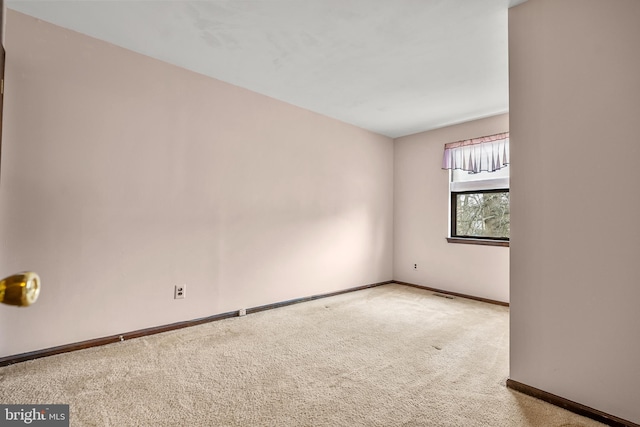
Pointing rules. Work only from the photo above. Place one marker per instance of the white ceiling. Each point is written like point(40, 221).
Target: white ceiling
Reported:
point(395, 67)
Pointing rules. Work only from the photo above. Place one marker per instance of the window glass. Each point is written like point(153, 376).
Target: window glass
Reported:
point(482, 214)
point(459, 175)
point(480, 204)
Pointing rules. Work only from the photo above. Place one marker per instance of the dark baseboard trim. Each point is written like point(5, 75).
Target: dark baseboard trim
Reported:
point(314, 297)
point(456, 294)
point(570, 405)
point(23, 357)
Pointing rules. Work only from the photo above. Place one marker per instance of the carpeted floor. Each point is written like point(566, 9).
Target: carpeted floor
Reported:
point(387, 356)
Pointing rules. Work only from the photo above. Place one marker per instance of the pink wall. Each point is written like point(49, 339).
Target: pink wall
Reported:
point(123, 176)
point(575, 235)
point(422, 218)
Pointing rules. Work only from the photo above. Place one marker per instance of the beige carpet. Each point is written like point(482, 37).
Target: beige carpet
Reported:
point(387, 356)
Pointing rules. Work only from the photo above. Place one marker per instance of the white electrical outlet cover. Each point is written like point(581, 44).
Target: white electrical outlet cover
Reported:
point(180, 292)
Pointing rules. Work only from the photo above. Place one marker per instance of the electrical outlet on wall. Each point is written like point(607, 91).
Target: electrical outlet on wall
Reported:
point(180, 292)
point(415, 266)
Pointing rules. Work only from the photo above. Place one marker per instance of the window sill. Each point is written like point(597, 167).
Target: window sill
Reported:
point(485, 242)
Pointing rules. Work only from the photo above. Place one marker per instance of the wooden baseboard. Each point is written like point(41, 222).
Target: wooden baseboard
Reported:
point(456, 294)
point(314, 297)
point(570, 405)
point(23, 357)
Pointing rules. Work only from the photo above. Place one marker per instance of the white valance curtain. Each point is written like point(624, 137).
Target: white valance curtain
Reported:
point(488, 153)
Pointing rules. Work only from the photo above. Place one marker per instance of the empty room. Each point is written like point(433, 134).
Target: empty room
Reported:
point(320, 213)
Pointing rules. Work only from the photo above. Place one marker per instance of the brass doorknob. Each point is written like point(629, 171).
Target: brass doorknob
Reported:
point(21, 289)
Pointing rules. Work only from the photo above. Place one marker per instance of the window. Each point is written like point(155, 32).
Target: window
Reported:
point(480, 214)
point(479, 190)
